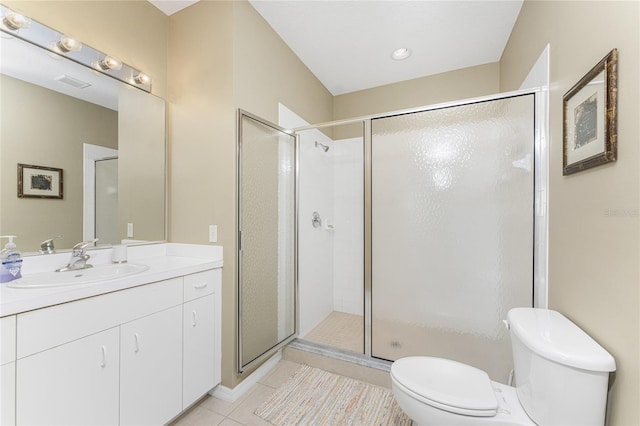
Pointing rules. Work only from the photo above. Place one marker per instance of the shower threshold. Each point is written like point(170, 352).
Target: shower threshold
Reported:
point(340, 354)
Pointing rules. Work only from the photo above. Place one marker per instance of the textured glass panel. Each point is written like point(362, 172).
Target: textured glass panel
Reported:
point(107, 201)
point(267, 226)
point(452, 231)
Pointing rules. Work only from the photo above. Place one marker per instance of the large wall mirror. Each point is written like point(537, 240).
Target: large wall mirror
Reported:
point(105, 139)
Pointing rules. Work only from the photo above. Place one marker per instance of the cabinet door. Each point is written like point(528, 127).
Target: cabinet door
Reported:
point(151, 368)
point(199, 372)
point(8, 394)
point(72, 384)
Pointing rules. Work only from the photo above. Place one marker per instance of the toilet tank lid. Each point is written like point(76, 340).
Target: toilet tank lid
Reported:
point(552, 336)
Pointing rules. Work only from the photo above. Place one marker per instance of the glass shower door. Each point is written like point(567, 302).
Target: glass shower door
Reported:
point(452, 230)
point(266, 240)
point(106, 201)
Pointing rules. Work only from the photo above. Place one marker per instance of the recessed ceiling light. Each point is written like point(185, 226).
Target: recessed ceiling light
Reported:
point(401, 53)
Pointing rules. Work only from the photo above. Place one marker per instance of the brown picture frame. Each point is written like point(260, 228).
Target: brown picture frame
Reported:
point(39, 182)
point(590, 114)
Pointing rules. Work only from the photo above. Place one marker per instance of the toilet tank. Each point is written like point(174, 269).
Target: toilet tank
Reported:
point(561, 373)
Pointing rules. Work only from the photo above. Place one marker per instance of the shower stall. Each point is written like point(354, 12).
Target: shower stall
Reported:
point(414, 231)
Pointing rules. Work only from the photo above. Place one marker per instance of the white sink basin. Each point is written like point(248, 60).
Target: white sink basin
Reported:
point(81, 276)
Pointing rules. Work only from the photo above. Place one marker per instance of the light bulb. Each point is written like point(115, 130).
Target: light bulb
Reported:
point(142, 78)
point(109, 63)
point(14, 21)
point(68, 44)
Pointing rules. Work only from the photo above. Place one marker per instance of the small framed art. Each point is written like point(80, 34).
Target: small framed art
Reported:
point(39, 182)
point(590, 118)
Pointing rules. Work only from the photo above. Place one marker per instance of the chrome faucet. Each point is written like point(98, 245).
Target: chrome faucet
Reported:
point(46, 247)
point(78, 257)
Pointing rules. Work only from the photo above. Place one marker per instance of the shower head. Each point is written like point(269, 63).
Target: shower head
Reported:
point(324, 147)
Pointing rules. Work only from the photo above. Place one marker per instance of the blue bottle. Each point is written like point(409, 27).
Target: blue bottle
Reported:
point(10, 261)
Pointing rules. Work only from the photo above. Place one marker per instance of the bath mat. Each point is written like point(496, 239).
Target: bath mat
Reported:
point(315, 397)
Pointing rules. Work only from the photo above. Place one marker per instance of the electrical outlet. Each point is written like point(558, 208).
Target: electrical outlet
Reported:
point(129, 230)
point(213, 233)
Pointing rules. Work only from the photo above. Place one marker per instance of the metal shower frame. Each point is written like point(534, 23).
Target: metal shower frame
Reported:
point(540, 170)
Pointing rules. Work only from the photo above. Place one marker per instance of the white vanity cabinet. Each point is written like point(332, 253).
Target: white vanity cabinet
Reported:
point(72, 384)
point(130, 357)
point(7, 370)
point(151, 368)
point(201, 346)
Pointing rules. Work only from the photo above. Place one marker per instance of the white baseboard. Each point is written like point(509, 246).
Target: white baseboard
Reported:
point(233, 394)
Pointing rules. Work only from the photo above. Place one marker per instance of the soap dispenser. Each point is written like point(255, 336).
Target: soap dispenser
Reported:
point(10, 261)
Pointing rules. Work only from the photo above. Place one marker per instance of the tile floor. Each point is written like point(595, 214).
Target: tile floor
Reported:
point(340, 330)
point(213, 411)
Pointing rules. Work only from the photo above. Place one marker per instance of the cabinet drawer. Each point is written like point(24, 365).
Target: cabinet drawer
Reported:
point(7, 339)
point(45, 328)
point(202, 284)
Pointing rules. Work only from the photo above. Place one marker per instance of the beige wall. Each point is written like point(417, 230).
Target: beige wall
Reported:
point(266, 72)
point(460, 84)
point(223, 56)
point(51, 143)
point(135, 32)
point(593, 215)
point(202, 148)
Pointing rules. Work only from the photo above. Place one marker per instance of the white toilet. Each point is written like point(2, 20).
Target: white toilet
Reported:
point(561, 378)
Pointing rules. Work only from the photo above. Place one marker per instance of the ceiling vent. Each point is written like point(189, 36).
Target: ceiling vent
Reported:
point(72, 81)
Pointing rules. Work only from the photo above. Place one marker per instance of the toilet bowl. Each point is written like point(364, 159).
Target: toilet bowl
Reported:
point(436, 391)
point(561, 377)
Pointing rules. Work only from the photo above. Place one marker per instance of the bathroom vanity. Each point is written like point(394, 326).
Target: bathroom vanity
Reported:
point(133, 350)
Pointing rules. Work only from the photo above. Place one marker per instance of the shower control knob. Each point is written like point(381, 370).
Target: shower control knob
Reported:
point(315, 220)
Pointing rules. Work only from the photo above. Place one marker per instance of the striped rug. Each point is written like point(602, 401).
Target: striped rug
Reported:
point(315, 397)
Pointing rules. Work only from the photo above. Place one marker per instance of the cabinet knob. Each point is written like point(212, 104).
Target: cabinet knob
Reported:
point(200, 286)
point(136, 343)
point(193, 318)
point(103, 350)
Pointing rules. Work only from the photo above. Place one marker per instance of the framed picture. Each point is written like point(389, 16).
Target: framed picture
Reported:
point(39, 182)
point(590, 118)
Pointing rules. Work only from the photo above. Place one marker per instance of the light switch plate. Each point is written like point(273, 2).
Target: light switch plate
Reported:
point(129, 230)
point(213, 233)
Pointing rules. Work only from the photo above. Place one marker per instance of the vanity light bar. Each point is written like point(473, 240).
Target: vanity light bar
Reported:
point(34, 32)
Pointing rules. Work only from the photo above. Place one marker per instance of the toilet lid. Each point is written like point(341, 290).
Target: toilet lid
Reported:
point(447, 384)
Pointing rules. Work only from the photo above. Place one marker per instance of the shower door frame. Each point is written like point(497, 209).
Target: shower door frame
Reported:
point(540, 196)
point(240, 367)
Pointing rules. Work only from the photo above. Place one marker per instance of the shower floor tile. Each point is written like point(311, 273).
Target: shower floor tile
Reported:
point(340, 330)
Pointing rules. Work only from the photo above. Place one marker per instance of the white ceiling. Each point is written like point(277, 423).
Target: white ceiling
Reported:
point(347, 45)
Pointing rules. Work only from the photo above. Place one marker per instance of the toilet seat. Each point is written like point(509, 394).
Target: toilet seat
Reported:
point(445, 384)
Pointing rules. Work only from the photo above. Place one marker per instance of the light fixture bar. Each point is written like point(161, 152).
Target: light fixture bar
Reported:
point(34, 32)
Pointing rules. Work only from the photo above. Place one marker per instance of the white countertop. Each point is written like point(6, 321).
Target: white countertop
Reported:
point(165, 261)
